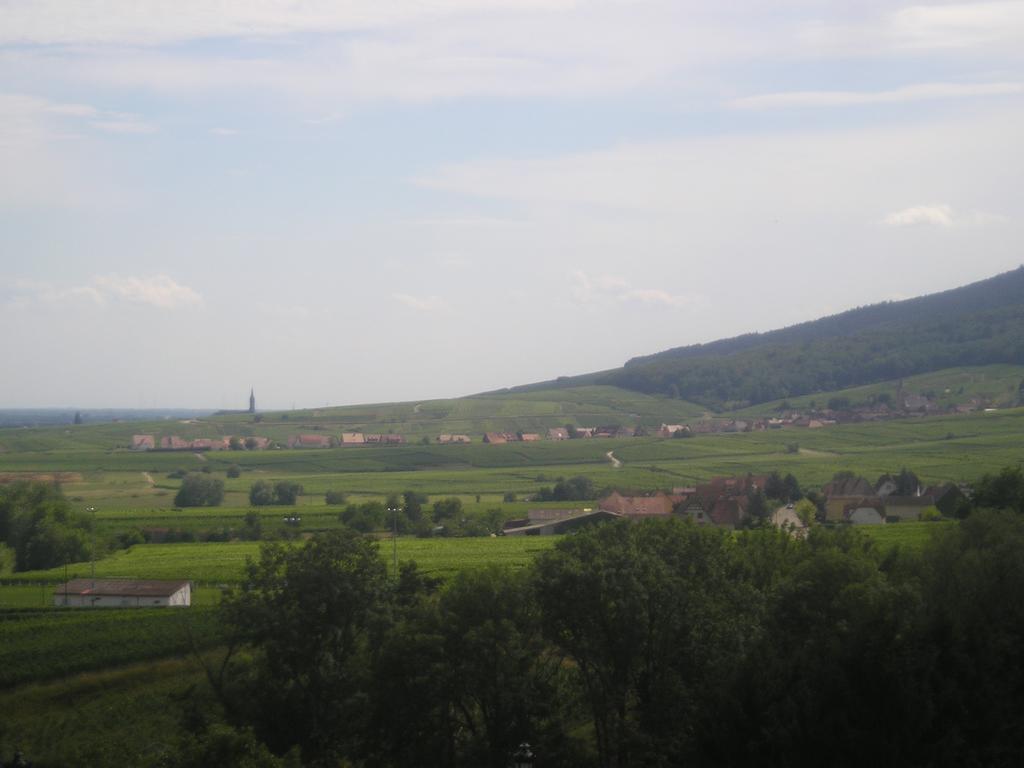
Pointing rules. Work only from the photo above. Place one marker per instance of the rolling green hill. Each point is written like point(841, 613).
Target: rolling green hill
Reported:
point(977, 325)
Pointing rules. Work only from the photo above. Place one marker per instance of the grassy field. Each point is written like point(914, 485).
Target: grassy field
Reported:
point(124, 716)
point(939, 448)
point(224, 562)
point(211, 563)
point(44, 644)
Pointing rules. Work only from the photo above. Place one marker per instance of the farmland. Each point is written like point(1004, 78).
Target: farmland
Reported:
point(90, 655)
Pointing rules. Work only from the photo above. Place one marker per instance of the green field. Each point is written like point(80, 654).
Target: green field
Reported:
point(39, 645)
point(224, 562)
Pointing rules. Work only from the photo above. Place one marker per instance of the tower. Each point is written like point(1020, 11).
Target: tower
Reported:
point(252, 401)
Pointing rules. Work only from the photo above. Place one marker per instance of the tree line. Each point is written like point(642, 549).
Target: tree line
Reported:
point(631, 644)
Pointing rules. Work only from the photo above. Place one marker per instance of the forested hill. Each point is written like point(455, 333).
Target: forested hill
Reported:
point(978, 324)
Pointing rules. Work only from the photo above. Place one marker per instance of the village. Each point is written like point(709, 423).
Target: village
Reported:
point(738, 502)
point(839, 411)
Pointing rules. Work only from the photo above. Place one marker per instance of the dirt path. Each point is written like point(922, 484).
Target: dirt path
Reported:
point(149, 479)
point(416, 408)
point(615, 462)
point(199, 456)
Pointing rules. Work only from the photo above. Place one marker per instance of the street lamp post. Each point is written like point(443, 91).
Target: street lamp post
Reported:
point(523, 757)
point(92, 547)
point(394, 537)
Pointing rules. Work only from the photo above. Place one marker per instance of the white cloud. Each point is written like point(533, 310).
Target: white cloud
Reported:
point(131, 22)
point(157, 291)
point(128, 125)
point(910, 93)
point(421, 303)
point(610, 289)
point(957, 25)
point(935, 215)
point(939, 215)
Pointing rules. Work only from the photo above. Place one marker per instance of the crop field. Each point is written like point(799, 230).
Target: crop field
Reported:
point(123, 716)
point(989, 383)
point(40, 645)
point(224, 562)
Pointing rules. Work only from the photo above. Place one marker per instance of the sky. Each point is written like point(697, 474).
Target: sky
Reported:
point(340, 202)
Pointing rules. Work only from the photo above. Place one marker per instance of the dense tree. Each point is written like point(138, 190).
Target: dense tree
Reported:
point(446, 509)
point(261, 493)
point(234, 470)
point(38, 523)
point(309, 613)
point(1003, 490)
point(282, 493)
point(197, 490)
point(652, 620)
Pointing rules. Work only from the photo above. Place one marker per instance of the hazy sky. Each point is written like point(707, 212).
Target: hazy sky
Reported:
point(350, 201)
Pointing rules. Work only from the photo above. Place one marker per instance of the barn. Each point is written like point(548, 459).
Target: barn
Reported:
point(122, 593)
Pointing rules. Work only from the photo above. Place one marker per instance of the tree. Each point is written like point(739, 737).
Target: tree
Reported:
point(38, 523)
point(806, 511)
point(261, 493)
point(235, 443)
point(78, 416)
point(282, 493)
point(309, 613)
point(234, 470)
point(333, 498)
point(1003, 490)
point(445, 509)
point(286, 493)
point(197, 490)
point(250, 443)
point(412, 503)
point(653, 619)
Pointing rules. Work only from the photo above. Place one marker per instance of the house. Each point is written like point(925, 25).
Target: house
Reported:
point(865, 512)
point(529, 437)
point(143, 443)
point(210, 444)
point(563, 524)
point(449, 439)
point(907, 507)
point(637, 507)
point(309, 441)
point(352, 438)
point(495, 438)
point(585, 432)
point(392, 439)
point(669, 430)
point(558, 433)
point(849, 486)
point(730, 511)
point(855, 509)
point(173, 443)
point(257, 443)
point(122, 593)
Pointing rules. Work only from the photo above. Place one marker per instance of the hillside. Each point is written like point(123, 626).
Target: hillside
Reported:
point(976, 325)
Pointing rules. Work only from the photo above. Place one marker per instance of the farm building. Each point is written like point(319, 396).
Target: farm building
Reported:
point(143, 443)
point(122, 593)
point(449, 439)
point(562, 524)
point(352, 438)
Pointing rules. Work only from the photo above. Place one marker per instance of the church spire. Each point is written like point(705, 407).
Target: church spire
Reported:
point(252, 400)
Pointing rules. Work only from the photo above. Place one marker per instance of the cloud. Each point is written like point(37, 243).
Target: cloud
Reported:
point(223, 132)
point(939, 215)
point(934, 215)
point(49, 22)
point(421, 303)
point(157, 291)
point(606, 289)
point(957, 25)
point(911, 93)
